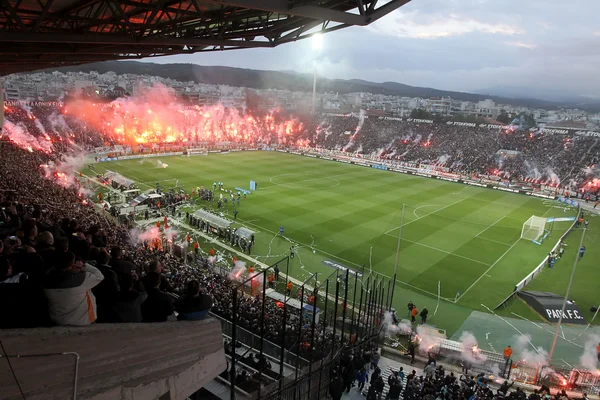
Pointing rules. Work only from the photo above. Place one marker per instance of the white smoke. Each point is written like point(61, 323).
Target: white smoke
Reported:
point(552, 176)
point(427, 342)
point(526, 351)
point(161, 164)
point(532, 170)
point(443, 159)
point(18, 135)
point(361, 120)
point(64, 173)
point(170, 234)
point(238, 272)
point(589, 358)
point(470, 349)
point(402, 328)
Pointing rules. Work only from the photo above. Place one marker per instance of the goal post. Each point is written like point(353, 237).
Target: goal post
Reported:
point(534, 229)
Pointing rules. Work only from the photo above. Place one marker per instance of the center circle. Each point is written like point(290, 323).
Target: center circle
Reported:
point(303, 181)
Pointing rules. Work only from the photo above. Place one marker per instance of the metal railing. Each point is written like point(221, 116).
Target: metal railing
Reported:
point(328, 315)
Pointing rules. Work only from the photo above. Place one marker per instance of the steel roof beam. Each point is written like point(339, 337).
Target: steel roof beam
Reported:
point(306, 11)
point(25, 37)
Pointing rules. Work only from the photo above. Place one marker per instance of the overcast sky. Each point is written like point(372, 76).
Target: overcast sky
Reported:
point(464, 45)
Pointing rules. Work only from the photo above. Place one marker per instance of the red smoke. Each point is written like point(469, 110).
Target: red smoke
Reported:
point(156, 116)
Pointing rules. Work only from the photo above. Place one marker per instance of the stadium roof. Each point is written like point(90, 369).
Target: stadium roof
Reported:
point(38, 34)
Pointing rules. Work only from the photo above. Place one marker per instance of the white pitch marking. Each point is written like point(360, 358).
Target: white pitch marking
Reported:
point(445, 251)
point(423, 206)
point(426, 215)
point(490, 226)
point(488, 270)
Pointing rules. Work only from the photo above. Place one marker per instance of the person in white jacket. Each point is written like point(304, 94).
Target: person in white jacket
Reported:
point(68, 288)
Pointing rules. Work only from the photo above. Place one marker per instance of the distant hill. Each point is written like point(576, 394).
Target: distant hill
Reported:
point(256, 79)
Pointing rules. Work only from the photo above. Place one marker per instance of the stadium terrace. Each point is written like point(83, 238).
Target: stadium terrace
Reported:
point(564, 159)
point(68, 259)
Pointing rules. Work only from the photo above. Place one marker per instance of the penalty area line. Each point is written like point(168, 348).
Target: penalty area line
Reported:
point(445, 251)
point(489, 226)
point(486, 272)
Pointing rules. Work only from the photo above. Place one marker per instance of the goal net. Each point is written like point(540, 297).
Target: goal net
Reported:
point(197, 152)
point(533, 228)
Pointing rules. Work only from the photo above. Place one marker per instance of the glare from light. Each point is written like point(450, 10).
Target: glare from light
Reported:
point(317, 41)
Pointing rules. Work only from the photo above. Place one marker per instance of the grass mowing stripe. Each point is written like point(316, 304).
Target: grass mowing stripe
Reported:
point(486, 271)
point(444, 251)
point(427, 215)
point(493, 265)
point(344, 221)
point(501, 218)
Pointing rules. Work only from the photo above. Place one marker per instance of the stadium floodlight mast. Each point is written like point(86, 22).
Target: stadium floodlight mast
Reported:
point(564, 306)
point(317, 43)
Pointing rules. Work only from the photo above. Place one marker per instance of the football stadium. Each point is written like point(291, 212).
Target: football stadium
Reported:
point(154, 247)
point(298, 211)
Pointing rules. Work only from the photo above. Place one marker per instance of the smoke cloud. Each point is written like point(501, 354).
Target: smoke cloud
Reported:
point(525, 351)
point(589, 358)
point(19, 135)
point(239, 271)
point(155, 115)
point(148, 235)
point(403, 327)
point(470, 349)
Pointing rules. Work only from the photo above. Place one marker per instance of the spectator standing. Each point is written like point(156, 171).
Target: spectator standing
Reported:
point(336, 387)
point(68, 289)
point(194, 305)
point(156, 267)
point(107, 290)
point(128, 303)
point(119, 264)
point(159, 305)
point(361, 377)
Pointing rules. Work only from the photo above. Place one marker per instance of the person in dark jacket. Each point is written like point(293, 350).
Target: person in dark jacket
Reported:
point(395, 389)
point(106, 292)
point(159, 305)
point(336, 387)
point(503, 389)
point(423, 314)
point(128, 303)
point(156, 266)
point(348, 377)
point(120, 264)
point(379, 386)
point(194, 305)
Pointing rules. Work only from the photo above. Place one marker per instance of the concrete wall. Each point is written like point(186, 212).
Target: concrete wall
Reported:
point(116, 361)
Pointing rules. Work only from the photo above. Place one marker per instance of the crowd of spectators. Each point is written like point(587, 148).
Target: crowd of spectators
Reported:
point(565, 159)
point(63, 261)
point(533, 155)
point(359, 369)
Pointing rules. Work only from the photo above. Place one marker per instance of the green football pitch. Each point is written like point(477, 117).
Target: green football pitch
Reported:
point(460, 249)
